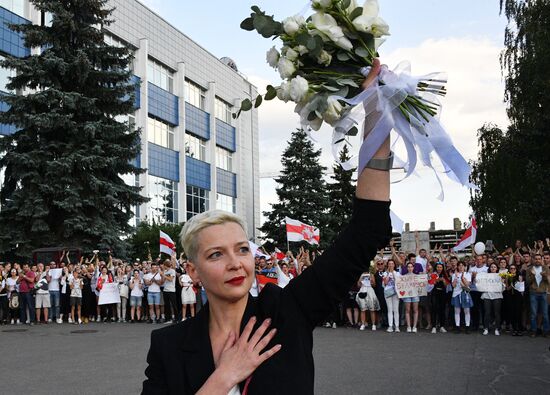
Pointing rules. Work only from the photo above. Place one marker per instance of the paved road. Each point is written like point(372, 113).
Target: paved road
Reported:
point(54, 360)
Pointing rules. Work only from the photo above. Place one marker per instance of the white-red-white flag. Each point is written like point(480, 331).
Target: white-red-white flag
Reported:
point(298, 231)
point(279, 254)
point(167, 245)
point(468, 238)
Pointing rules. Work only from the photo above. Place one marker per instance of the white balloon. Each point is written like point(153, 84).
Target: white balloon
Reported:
point(479, 248)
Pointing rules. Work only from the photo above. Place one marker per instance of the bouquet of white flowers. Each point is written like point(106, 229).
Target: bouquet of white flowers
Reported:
point(323, 61)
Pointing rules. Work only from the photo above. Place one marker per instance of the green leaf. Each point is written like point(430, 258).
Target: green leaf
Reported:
point(346, 81)
point(360, 51)
point(246, 105)
point(258, 101)
point(356, 13)
point(339, 141)
point(311, 43)
point(342, 56)
point(271, 93)
point(256, 9)
point(353, 131)
point(368, 39)
point(331, 88)
point(345, 4)
point(261, 22)
point(248, 24)
point(303, 38)
point(311, 116)
point(316, 50)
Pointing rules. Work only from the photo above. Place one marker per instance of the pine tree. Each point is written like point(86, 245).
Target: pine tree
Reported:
point(341, 193)
point(63, 166)
point(302, 191)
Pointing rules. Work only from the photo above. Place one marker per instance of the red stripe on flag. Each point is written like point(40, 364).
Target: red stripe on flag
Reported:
point(167, 243)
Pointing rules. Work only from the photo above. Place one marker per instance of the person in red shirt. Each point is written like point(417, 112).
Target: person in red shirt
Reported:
point(26, 285)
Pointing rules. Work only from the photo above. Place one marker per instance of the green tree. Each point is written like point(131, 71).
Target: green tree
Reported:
point(146, 238)
point(521, 156)
point(494, 203)
point(341, 192)
point(301, 193)
point(63, 166)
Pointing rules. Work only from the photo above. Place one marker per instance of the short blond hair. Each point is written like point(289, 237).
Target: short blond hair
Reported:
point(190, 231)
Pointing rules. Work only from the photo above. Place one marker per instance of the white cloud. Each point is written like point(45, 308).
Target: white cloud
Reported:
point(475, 97)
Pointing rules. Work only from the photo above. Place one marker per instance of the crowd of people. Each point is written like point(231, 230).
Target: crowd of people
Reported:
point(160, 291)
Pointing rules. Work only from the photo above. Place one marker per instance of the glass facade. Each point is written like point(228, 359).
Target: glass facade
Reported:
point(133, 180)
point(163, 206)
point(15, 6)
point(195, 147)
point(223, 110)
point(226, 203)
point(160, 75)
point(197, 201)
point(224, 159)
point(160, 133)
point(195, 95)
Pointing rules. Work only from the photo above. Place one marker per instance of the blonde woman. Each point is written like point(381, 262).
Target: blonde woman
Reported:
point(237, 343)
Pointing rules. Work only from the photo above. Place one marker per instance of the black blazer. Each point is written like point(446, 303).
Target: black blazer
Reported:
point(180, 358)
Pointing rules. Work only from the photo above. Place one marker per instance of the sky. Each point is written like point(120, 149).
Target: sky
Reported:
point(462, 38)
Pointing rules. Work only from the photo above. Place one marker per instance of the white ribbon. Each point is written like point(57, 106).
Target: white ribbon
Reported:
point(422, 134)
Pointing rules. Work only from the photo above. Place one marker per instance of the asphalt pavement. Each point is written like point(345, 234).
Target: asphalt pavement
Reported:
point(100, 359)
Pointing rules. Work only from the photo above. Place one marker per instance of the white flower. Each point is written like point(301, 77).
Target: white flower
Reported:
point(272, 57)
point(302, 49)
point(286, 68)
point(328, 27)
point(352, 6)
point(292, 24)
point(291, 54)
point(283, 92)
point(324, 58)
point(333, 112)
point(323, 4)
point(298, 88)
point(370, 22)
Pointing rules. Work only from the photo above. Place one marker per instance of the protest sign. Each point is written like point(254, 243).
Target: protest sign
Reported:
point(488, 282)
point(55, 274)
point(411, 285)
point(109, 294)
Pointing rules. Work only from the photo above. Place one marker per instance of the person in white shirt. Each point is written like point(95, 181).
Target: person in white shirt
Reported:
point(136, 295)
point(283, 275)
point(492, 302)
point(461, 300)
point(54, 290)
point(390, 294)
point(153, 281)
point(13, 289)
point(169, 291)
point(76, 284)
point(122, 280)
point(477, 308)
point(188, 297)
point(42, 297)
